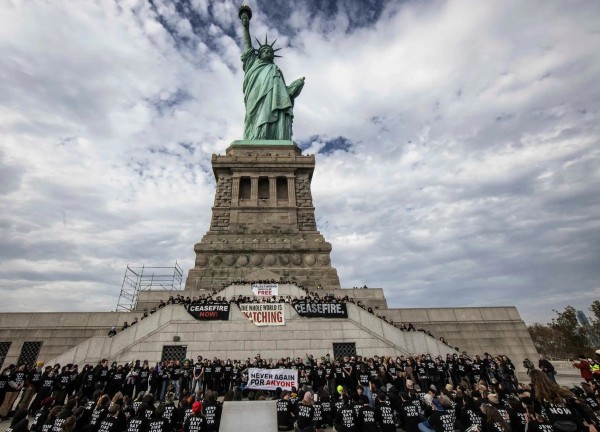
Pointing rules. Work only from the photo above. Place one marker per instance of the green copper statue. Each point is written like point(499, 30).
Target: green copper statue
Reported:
point(269, 102)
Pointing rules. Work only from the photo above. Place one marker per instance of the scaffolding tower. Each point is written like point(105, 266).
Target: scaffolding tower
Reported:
point(144, 278)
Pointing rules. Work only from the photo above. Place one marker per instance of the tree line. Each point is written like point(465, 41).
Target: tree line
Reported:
point(565, 337)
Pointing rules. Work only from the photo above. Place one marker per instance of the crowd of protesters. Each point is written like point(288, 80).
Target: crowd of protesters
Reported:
point(352, 393)
point(311, 297)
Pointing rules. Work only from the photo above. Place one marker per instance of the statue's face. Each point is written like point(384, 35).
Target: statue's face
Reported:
point(266, 54)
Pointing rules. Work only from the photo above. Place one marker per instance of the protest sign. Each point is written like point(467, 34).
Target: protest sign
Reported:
point(265, 289)
point(209, 312)
point(270, 379)
point(321, 310)
point(264, 314)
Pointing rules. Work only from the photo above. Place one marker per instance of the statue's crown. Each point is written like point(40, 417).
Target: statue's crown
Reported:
point(266, 44)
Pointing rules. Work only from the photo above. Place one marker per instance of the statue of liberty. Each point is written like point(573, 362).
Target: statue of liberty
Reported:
point(269, 102)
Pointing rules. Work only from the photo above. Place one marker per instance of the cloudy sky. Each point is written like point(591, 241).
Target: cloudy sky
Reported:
point(457, 142)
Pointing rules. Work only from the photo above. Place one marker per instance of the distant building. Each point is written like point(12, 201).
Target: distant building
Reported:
point(582, 318)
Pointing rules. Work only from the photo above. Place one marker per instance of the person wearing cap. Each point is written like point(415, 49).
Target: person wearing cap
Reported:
point(195, 422)
point(584, 368)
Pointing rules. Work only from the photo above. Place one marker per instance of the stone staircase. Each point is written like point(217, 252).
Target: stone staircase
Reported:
point(239, 338)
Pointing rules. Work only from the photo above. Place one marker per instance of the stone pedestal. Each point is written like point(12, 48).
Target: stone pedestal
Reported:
point(263, 218)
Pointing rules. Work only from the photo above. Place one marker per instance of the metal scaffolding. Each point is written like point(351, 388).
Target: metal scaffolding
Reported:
point(144, 278)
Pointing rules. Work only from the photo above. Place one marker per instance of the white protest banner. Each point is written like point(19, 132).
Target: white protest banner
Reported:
point(264, 314)
point(270, 379)
point(265, 289)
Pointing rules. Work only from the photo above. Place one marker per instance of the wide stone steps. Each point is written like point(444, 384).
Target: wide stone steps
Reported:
point(239, 338)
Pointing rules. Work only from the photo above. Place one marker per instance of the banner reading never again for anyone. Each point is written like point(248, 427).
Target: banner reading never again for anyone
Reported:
point(321, 310)
point(264, 314)
point(270, 379)
point(209, 312)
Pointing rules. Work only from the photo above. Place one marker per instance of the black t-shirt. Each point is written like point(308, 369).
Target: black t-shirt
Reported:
point(137, 425)
point(194, 424)
point(471, 416)
point(98, 415)
point(284, 413)
point(169, 414)
point(39, 418)
point(159, 425)
point(3, 383)
point(109, 424)
point(102, 374)
point(345, 420)
point(363, 378)
point(305, 415)
point(212, 413)
point(198, 368)
point(562, 413)
point(409, 416)
point(442, 421)
point(366, 419)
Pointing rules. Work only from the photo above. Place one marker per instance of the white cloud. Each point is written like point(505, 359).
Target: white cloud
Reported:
point(474, 171)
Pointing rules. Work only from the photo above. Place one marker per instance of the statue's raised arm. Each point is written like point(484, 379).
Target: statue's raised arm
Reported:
point(269, 101)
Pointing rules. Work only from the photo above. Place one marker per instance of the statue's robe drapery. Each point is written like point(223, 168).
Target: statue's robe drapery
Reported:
point(268, 103)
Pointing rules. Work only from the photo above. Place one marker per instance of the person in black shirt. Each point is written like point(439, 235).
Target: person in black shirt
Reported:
point(42, 414)
point(285, 412)
point(345, 419)
point(19, 422)
point(409, 414)
point(111, 422)
point(207, 375)
point(212, 411)
point(547, 368)
point(47, 426)
point(100, 411)
point(195, 422)
point(139, 422)
point(158, 423)
point(366, 418)
point(493, 421)
point(306, 412)
point(217, 377)
point(16, 379)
